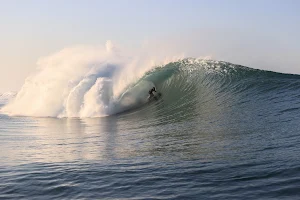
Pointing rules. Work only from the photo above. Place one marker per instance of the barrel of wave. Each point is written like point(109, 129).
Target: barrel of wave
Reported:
point(133, 97)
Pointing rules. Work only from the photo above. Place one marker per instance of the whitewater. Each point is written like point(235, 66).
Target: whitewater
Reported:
point(81, 127)
point(83, 82)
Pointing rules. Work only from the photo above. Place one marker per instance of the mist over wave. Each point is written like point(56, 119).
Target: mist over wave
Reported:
point(6, 97)
point(85, 82)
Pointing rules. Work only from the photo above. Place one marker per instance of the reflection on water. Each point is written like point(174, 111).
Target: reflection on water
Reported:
point(161, 130)
point(57, 140)
point(51, 140)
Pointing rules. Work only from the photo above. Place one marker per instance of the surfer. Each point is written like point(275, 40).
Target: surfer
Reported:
point(151, 92)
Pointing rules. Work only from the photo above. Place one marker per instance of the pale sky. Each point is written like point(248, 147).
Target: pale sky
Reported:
point(258, 33)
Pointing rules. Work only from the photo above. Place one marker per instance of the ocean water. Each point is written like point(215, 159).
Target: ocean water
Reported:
point(219, 131)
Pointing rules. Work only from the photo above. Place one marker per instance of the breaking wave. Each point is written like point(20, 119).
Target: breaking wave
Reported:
point(101, 82)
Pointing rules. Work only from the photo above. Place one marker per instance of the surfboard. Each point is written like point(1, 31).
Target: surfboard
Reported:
point(155, 97)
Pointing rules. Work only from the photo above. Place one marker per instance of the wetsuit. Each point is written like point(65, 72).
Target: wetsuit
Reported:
point(151, 92)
